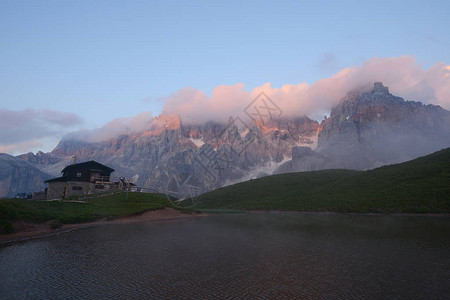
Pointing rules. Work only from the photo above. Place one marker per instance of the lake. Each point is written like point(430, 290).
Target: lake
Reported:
point(254, 256)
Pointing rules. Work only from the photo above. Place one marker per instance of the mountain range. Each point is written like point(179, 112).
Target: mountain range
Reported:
point(19, 176)
point(369, 128)
point(210, 155)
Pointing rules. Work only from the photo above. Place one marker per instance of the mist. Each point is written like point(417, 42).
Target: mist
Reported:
point(404, 76)
point(113, 128)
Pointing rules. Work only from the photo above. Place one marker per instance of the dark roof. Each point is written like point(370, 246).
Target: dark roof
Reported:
point(89, 164)
point(69, 171)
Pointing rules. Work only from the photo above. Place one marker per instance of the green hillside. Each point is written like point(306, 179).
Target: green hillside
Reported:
point(418, 186)
point(70, 211)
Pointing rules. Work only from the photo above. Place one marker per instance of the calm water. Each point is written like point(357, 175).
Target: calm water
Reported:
point(254, 256)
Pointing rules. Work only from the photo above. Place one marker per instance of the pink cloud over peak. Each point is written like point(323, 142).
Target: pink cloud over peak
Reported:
point(404, 76)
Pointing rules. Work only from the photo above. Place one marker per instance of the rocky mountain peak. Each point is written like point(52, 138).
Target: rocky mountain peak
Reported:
point(162, 123)
point(40, 158)
point(369, 129)
point(257, 126)
point(171, 122)
point(231, 133)
point(254, 133)
point(379, 88)
point(19, 176)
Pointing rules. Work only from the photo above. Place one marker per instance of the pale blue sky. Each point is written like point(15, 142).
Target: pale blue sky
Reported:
point(107, 59)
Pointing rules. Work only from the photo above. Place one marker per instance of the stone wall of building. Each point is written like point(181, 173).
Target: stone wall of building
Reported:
point(77, 188)
point(55, 190)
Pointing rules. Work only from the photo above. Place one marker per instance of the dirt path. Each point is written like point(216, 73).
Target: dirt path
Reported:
point(25, 230)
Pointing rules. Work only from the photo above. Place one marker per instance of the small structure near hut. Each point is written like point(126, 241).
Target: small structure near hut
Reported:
point(85, 178)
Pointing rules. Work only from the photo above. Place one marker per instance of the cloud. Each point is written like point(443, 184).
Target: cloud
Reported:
point(196, 107)
point(21, 147)
point(404, 76)
point(21, 130)
point(114, 128)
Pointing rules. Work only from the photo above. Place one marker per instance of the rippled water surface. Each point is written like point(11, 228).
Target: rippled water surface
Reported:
point(255, 256)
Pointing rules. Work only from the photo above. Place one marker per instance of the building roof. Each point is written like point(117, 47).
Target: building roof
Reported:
point(89, 164)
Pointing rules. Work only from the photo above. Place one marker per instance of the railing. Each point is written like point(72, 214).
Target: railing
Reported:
point(143, 190)
point(109, 179)
point(127, 184)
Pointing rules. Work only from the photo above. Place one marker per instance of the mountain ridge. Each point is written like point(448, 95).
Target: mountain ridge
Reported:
point(19, 176)
point(215, 153)
point(365, 130)
point(370, 129)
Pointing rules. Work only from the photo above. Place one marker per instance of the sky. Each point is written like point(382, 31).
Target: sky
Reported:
point(82, 65)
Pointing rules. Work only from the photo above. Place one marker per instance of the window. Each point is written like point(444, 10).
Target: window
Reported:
point(79, 175)
point(99, 186)
point(77, 188)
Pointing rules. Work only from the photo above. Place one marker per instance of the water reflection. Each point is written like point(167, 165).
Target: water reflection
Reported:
point(258, 256)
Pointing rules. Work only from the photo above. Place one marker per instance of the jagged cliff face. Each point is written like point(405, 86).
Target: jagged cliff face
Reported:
point(46, 162)
point(19, 176)
point(213, 154)
point(367, 130)
point(40, 158)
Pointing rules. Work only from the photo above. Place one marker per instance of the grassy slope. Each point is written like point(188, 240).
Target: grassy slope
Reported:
point(72, 212)
point(418, 186)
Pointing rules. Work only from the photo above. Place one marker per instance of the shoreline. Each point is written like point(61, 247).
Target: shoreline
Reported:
point(277, 211)
point(27, 230)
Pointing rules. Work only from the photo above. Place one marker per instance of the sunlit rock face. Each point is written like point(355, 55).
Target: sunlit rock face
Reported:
point(375, 128)
point(215, 154)
point(367, 129)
